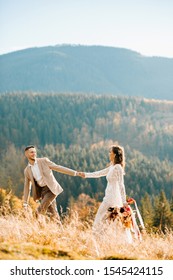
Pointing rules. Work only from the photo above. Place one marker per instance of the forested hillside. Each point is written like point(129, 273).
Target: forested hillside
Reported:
point(87, 69)
point(144, 125)
point(77, 131)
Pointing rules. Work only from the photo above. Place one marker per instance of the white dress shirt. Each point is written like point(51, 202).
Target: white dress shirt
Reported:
point(36, 174)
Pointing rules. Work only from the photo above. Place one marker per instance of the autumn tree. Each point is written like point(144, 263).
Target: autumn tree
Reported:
point(163, 218)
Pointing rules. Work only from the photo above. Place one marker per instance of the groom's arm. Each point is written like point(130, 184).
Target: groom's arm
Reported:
point(27, 190)
point(59, 168)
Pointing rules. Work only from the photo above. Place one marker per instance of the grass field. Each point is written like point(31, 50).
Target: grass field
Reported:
point(25, 238)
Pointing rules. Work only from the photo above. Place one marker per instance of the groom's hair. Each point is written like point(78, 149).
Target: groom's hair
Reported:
point(29, 147)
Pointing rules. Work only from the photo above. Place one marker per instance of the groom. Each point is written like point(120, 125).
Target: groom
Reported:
point(45, 188)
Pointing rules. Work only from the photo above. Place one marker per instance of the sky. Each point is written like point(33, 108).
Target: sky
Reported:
point(145, 26)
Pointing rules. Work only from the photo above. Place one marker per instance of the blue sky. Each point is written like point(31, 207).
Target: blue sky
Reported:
point(145, 26)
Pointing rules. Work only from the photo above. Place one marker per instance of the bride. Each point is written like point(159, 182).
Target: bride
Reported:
point(115, 194)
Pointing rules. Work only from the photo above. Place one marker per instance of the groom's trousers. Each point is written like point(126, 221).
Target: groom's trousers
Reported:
point(48, 203)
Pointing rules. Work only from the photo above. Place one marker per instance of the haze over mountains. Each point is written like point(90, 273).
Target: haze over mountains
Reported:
point(87, 69)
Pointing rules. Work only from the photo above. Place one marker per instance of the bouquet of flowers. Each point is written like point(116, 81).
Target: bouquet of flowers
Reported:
point(123, 214)
point(127, 217)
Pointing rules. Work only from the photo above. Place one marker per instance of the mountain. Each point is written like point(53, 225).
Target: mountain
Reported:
point(87, 69)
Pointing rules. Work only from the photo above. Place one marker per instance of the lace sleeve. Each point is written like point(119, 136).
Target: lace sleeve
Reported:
point(97, 174)
point(119, 175)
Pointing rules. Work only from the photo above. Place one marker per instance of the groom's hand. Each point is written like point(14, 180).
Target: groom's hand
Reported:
point(25, 206)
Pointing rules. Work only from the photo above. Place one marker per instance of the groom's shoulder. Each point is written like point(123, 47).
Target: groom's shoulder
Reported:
point(43, 159)
point(26, 168)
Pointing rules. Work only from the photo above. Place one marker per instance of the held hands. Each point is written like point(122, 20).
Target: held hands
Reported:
point(80, 174)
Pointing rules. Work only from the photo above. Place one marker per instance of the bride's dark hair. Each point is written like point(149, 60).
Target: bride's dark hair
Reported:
point(119, 155)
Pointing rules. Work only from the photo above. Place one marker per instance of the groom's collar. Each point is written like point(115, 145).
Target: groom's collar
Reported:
point(33, 164)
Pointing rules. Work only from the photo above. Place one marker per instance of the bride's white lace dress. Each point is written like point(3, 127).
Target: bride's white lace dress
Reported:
point(115, 196)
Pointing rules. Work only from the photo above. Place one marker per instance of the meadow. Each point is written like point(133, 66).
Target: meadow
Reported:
point(22, 237)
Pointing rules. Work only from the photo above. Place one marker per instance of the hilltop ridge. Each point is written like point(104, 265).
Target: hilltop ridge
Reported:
point(87, 69)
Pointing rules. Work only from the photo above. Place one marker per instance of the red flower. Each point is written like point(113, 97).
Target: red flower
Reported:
point(130, 200)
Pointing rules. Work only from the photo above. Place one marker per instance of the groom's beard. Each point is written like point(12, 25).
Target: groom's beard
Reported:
point(32, 160)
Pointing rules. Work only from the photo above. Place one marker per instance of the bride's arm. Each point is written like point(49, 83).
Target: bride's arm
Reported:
point(97, 174)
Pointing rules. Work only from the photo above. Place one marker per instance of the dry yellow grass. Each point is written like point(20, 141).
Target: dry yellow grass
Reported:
point(24, 238)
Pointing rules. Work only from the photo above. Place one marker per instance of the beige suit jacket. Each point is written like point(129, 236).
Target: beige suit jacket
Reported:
point(45, 166)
